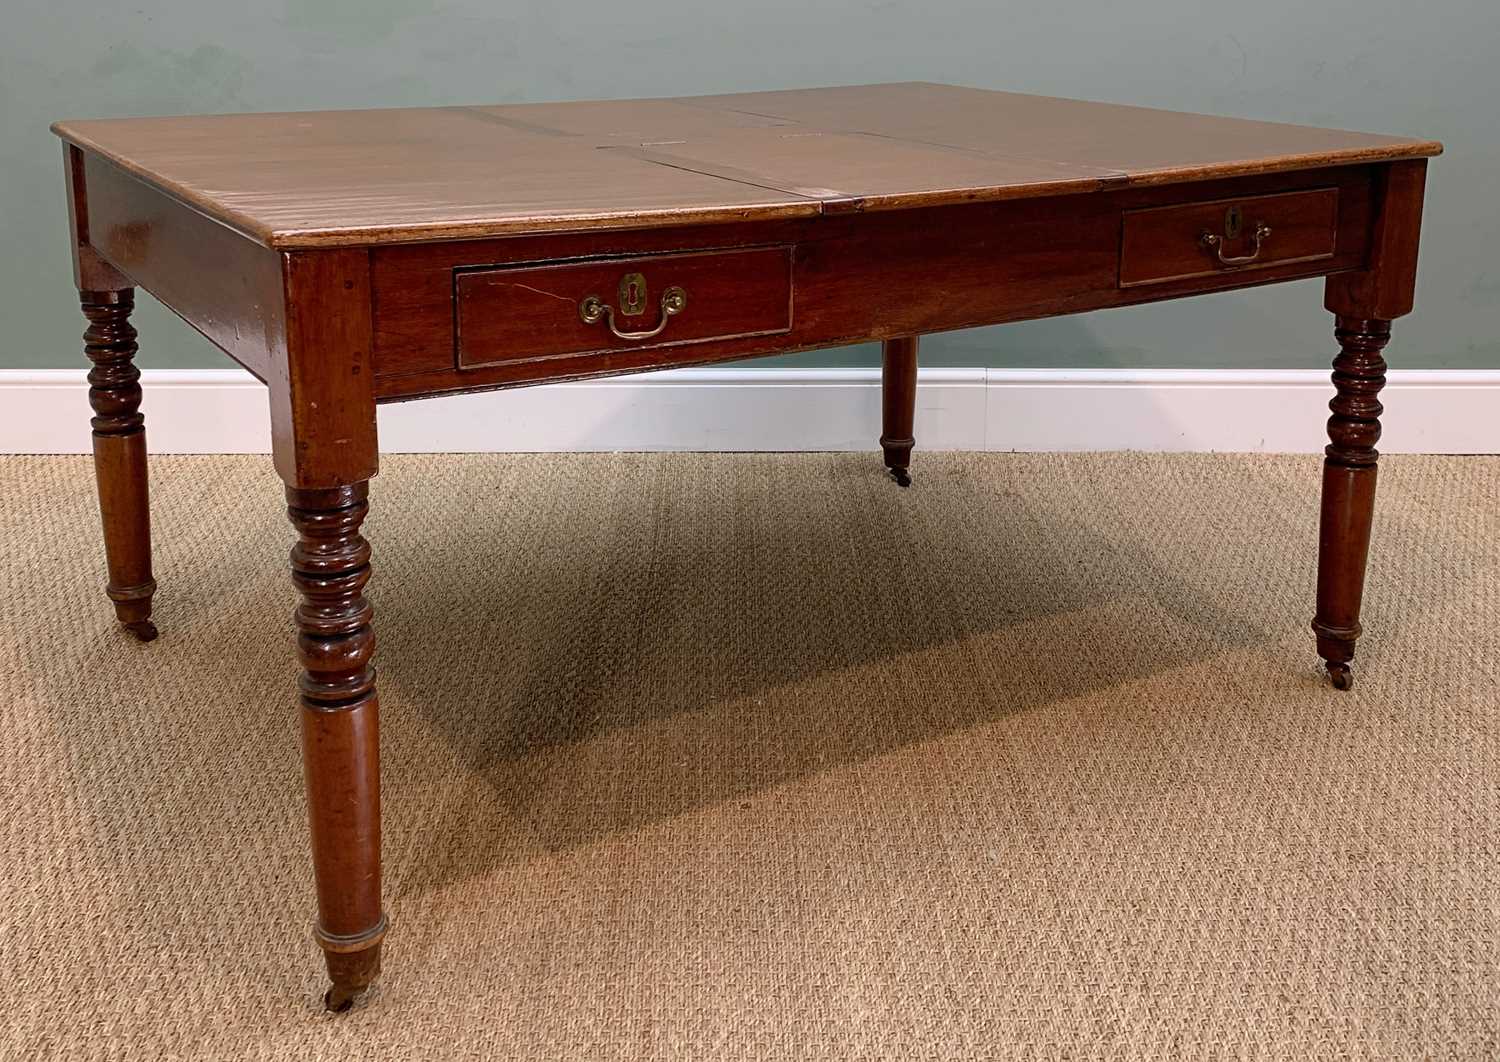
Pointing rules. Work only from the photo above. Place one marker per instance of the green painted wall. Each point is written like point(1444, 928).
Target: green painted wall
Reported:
point(1381, 65)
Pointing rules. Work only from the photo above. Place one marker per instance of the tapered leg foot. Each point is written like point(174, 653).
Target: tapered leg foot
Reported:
point(898, 389)
point(1348, 505)
point(1336, 647)
point(120, 456)
point(340, 731)
point(350, 973)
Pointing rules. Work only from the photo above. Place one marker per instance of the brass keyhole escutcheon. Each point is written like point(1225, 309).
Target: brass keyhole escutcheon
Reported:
point(1234, 222)
point(632, 295)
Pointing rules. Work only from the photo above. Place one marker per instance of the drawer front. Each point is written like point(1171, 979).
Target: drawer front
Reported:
point(568, 309)
point(1160, 244)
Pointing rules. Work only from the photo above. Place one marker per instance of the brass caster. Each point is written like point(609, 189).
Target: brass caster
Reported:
point(144, 630)
point(1340, 676)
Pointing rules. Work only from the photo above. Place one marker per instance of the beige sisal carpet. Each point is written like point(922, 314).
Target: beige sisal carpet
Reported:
point(761, 757)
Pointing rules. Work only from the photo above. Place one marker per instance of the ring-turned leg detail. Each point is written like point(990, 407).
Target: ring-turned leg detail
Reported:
point(340, 731)
point(1348, 505)
point(898, 391)
point(120, 456)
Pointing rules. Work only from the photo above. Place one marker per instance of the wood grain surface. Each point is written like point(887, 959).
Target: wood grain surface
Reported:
point(344, 178)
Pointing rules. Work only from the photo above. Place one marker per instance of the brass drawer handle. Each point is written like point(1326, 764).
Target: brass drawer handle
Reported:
point(1208, 239)
point(593, 309)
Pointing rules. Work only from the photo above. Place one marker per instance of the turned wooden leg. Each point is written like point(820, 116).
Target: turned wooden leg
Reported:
point(898, 392)
point(1349, 490)
point(340, 731)
point(120, 456)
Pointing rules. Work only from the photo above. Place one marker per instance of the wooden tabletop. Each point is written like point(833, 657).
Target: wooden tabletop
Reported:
point(336, 178)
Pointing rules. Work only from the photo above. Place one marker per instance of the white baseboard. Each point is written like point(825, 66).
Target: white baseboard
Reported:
point(225, 411)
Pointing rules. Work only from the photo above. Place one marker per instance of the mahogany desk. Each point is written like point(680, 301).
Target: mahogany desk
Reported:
point(348, 258)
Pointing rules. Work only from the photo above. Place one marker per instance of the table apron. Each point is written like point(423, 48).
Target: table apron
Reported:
point(855, 277)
